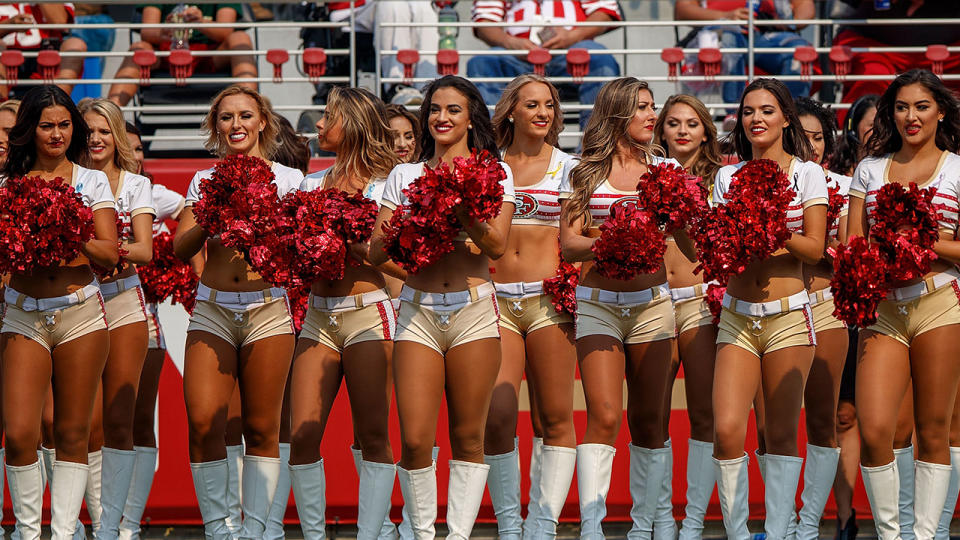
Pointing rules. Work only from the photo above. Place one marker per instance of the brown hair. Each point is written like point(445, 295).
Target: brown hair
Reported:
point(399, 111)
point(794, 140)
point(367, 143)
point(267, 140)
point(503, 128)
point(708, 158)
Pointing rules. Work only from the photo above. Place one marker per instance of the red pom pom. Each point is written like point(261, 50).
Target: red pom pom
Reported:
point(714, 300)
point(859, 282)
point(675, 197)
point(835, 206)
point(905, 229)
point(299, 298)
point(562, 288)
point(630, 243)
point(41, 224)
point(167, 276)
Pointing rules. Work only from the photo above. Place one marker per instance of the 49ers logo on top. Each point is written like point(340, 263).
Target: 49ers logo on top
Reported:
point(526, 207)
point(624, 202)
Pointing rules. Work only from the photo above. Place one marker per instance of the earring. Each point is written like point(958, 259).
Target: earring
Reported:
point(510, 119)
point(469, 126)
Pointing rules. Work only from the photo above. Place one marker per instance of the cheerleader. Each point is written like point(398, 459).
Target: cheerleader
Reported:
point(622, 326)
point(8, 118)
point(54, 325)
point(448, 335)
point(240, 332)
point(686, 131)
point(404, 125)
point(916, 134)
point(347, 331)
point(765, 339)
point(527, 122)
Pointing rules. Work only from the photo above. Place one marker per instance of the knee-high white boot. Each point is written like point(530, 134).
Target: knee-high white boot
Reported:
point(950, 505)
point(419, 488)
point(464, 494)
point(594, 468)
point(554, 480)
point(905, 468)
point(144, 467)
point(933, 480)
point(388, 531)
point(49, 458)
point(701, 478)
point(93, 491)
point(504, 485)
point(116, 475)
point(664, 524)
point(376, 493)
point(26, 498)
point(783, 476)
point(733, 487)
point(210, 481)
point(234, 495)
point(530, 523)
point(66, 497)
point(818, 476)
point(309, 490)
point(883, 490)
point(647, 467)
point(279, 506)
point(258, 487)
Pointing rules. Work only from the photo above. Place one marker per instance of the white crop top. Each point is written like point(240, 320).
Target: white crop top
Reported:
point(168, 203)
point(606, 196)
point(285, 178)
point(402, 177)
point(94, 187)
point(373, 191)
point(539, 204)
point(835, 180)
point(873, 172)
point(806, 179)
point(134, 197)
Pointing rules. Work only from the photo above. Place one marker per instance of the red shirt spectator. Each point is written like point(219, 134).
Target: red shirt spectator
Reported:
point(522, 14)
point(33, 37)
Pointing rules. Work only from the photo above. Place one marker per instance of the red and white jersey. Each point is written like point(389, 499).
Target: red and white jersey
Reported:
point(168, 204)
point(134, 196)
point(842, 182)
point(373, 191)
point(287, 179)
point(539, 204)
point(607, 197)
point(31, 37)
point(94, 187)
point(806, 179)
point(520, 15)
point(873, 172)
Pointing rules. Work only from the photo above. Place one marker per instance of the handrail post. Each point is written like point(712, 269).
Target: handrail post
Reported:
point(750, 28)
point(353, 44)
point(377, 60)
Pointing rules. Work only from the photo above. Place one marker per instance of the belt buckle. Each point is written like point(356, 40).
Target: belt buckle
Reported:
point(756, 326)
point(443, 319)
point(50, 320)
point(515, 305)
point(333, 321)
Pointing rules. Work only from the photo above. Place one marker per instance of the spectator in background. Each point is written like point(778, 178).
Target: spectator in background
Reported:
point(542, 23)
point(36, 39)
point(408, 37)
point(339, 38)
point(198, 39)
point(96, 39)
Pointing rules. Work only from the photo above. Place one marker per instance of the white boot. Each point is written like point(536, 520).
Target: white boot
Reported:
point(49, 458)
point(66, 498)
point(701, 478)
point(419, 488)
point(144, 467)
point(950, 505)
point(404, 529)
point(387, 529)
point(883, 490)
point(530, 523)
point(905, 468)
point(279, 506)
point(93, 492)
point(504, 485)
point(933, 480)
point(210, 481)
point(761, 465)
point(117, 473)
point(733, 487)
point(26, 498)
point(309, 491)
point(258, 487)
point(556, 465)
point(664, 524)
point(235, 465)
point(647, 467)
point(818, 477)
point(594, 468)
point(783, 476)
point(376, 494)
point(464, 494)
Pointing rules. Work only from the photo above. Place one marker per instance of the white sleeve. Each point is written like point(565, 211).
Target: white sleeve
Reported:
point(99, 195)
point(193, 190)
point(566, 189)
point(288, 180)
point(141, 195)
point(313, 180)
point(168, 203)
point(393, 191)
point(858, 183)
point(509, 192)
point(720, 185)
point(813, 186)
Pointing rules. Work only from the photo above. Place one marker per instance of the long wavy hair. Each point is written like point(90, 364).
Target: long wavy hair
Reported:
point(828, 125)
point(123, 156)
point(794, 140)
point(613, 110)
point(850, 147)
point(367, 144)
point(479, 138)
point(268, 139)
point(503, 127)
point(294, 149)
point(399, 111)
point(708, 158)
point(23, 147)
point(886, 139)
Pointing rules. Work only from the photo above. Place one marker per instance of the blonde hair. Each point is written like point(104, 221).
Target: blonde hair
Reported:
point(12, 105)
point(367, 143)
point(123, 156)
point(267, 140)
point(613, 110)
point(708, 157)
point(503, 128)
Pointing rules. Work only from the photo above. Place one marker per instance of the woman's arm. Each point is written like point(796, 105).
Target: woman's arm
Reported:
point(190, 237)
point(809, 246)
point(856, 220)
point(102, 249)
point(491, 235)
point(390, 268)
point(376, 255)
point(573, 245)
point(140, 251)
point(686, 245)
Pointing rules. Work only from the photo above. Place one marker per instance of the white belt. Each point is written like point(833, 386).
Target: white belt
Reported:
point(29, 303)
point(519, 289)
point(114, 288)
point(342, 303)
point(685, 293)
point(409, 294)
point(821, 296)
point(763, 309)
point(631, 298)
point(225, 298)
point(928, 285)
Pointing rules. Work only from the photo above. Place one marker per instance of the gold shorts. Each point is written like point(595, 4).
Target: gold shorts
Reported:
point(443, 321)
point(338, 323)
point(241, 318)
point(154, 331)
point(935, 305)
point(125, 308)
point(522, 312)
point(54, 321)
point(821, 305)
point(690, 307)
point(630, 317)
point(766, 327)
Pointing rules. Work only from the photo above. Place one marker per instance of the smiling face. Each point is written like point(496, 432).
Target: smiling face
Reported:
point(865, 127)
point(916, 114)
point(683, 132)
point(404, 139)
point(239, 124)
point(762, 118)
point(329, 131)
point(534, 112)
point(449, 119)
point(54, 132)
point(7, 119)
point(814, 132)
point(101, 142)
point(640, 128)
